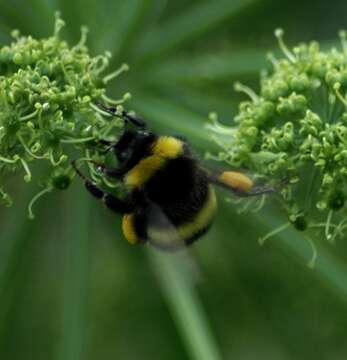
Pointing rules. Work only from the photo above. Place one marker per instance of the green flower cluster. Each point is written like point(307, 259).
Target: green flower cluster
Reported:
point(48, 92)
point(296, 130)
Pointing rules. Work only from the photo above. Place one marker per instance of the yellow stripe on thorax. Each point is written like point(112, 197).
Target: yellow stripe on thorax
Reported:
point(185, 231)
point(167, 147)
point(144, 170)
point(163, 149)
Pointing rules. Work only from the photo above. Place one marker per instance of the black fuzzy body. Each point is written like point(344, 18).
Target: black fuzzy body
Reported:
point(172, 197)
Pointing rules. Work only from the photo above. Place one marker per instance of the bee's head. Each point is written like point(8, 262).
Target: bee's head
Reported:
point(133, 145)
point(135, 141)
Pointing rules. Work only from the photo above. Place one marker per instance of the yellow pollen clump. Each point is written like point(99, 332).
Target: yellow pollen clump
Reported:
point(236, 180)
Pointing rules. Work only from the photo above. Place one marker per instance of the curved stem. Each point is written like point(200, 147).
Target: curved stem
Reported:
point(109, 77)
point(273, 233)
point(248, 91)
point(28, 150)
point(77, 141)
point(126, 97)
point(313, 259)
point(279, 34)
point(327, 226)
point(27, 176)
point(9, 161)
point(34, 199)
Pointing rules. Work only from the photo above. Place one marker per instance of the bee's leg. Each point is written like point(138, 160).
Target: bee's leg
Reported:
point(108, 171)
point(255, 191)
point(115, 173)
point(105, 142)
point(136, 120)
point(112, 202)
point(240, 185)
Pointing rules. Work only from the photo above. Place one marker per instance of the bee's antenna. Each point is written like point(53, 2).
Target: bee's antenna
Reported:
point(74, 165)
point(123, 115)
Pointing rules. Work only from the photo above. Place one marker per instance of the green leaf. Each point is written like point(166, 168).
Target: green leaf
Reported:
point(76, 275)
point(201, 101)
point(18, 234)
point(15, 230)
point(166, 116)
point(211, 67)
point(176, 281)
point(192, 23)
point(328, 267)
point(116, 32)
point(36, 18)
point(218, 66)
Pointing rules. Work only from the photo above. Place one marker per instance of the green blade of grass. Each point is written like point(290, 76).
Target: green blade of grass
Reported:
point(71, 13)
point(116, 36)
point(28, 19)
point(211, 67)
point(168, 117)
point(5, 32)
point(201, 101)
point(76, 275)
point(189, 25)
point(220, 66)
point(183, 301)
point(14, 231)
point(328, 267)
point(17, 235)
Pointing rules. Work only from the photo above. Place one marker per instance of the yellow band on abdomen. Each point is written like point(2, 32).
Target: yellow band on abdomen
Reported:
point(128, 227)
point(172, 236)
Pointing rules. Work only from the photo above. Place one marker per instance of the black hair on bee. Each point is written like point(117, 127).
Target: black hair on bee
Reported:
point(170, 200)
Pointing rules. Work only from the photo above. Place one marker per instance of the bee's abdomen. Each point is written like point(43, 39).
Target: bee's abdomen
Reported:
point(180, 227)
point(129, 230)
point(183, 193)
point(176, 182)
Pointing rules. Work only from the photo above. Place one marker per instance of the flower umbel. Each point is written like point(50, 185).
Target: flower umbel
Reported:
point(296, 129)
point(47, 95)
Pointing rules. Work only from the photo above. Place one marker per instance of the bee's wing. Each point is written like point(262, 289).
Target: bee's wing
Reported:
point(161, 232)
point(165, 236)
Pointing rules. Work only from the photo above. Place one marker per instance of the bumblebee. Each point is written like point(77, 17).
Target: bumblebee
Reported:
point(170, 201)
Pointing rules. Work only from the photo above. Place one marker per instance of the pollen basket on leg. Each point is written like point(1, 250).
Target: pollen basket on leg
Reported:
point(236, 180)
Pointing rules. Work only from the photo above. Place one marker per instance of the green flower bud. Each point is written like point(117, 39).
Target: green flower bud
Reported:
point(18, 58)
point(332, 77)
point(61, 182)
point(336, 200)
point(45, 108)
point(299, 83)
point(297, 127)
point(299, 222)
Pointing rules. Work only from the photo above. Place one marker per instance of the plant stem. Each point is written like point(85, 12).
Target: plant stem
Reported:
point(183, 301)
point(76, 276)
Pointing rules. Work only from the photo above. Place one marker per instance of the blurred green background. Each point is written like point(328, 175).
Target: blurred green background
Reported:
point(72, 288)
